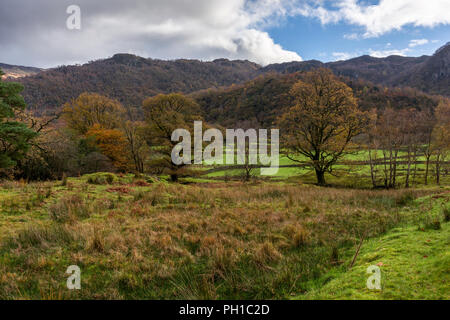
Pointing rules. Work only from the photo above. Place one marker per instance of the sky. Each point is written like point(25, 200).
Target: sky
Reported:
point(35, 32)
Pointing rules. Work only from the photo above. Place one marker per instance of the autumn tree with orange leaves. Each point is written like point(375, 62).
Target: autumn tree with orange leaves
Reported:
point(99, 119)
point(90, 109)
point(111, 143)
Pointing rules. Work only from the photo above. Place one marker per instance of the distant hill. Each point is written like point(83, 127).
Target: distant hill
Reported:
point(18, 71)
point(430, 74)
point(131, 79)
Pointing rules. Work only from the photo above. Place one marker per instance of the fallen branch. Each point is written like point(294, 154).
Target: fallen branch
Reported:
point(357, 250)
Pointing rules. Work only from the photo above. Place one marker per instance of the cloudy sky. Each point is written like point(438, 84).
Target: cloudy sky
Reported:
point(34, 32)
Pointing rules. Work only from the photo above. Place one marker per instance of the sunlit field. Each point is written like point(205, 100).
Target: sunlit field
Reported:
point(352, 171)
point(142, 237)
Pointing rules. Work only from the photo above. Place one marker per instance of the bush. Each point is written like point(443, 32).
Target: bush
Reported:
point(102, 178)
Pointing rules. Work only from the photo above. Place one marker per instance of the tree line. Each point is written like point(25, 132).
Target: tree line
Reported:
point(319, 116)
point(407, 138)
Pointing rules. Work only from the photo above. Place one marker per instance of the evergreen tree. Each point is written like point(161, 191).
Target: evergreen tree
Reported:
point(14, 136)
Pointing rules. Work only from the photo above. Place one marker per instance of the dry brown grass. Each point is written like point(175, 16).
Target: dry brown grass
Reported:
point(183, 241)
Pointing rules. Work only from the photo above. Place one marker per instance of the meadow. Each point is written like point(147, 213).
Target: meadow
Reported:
point(352, 171)
point(141, 237)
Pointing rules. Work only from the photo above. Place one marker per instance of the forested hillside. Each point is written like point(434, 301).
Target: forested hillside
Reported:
point(130, 79)
point(258, 102)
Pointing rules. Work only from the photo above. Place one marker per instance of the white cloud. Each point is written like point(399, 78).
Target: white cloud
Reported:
point(200, 29)
point(351, 36)
point(338, 56)
point(418, 42)
point(387, 53)
point(379, 18)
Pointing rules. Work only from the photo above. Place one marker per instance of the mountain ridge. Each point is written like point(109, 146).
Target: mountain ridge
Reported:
point(130, 78)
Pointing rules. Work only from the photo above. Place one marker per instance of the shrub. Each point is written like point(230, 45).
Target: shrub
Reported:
point(102, 178)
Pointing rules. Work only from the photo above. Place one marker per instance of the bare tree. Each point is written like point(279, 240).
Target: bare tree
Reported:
point(441, 136)
point(391, 139)
point(137, 145)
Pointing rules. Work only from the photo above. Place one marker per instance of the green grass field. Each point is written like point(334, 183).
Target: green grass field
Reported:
point(140, 237)
point(353, 176)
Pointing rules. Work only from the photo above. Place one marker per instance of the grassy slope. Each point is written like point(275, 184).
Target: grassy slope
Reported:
point(415, 265)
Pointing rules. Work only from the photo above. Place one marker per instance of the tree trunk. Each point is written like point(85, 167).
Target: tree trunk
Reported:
point(415, 167)
point(141, 166)
point(372, 169)
point(408, 170)
point(438, 170)
point(320, 177)
point(394, 178)
point(426, 168)
point(247, 173)
point(385, 170)
point(391, 168)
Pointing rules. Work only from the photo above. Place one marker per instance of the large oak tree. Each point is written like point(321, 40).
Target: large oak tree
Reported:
point(323, 121)
point(91, 109)
point(164, 114)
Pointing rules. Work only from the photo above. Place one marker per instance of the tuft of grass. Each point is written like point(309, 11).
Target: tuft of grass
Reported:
point(446, 213)
point(69, 208)
point(64, 180)
point(266, 253)
point(39, 236)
